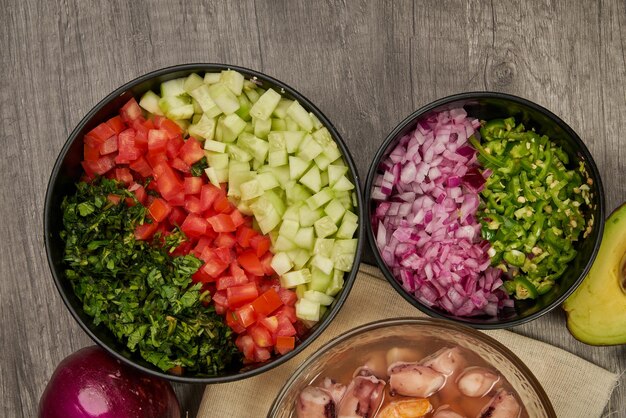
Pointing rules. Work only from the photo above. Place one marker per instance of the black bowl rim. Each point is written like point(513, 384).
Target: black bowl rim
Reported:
point(598, 223)
point(325, 122)
point(431, 322)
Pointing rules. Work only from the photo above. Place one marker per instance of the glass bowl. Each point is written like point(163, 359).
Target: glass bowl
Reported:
point(356, 344)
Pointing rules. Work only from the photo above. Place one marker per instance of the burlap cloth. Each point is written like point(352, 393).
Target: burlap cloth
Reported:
point(577, 388)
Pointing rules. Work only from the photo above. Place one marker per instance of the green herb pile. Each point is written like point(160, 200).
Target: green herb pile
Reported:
point(142, 294)
point(532, 210)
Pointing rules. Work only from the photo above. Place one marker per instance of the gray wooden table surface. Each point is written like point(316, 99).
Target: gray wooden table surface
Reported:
point(365, 64)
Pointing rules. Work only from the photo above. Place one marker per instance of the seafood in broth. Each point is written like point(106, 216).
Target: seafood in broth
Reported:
point(452, 382)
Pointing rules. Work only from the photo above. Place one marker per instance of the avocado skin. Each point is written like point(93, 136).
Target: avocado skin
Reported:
point(596, 311)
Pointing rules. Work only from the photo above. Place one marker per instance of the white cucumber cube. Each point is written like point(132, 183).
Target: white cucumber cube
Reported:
point(265, 105)
point(281, 263)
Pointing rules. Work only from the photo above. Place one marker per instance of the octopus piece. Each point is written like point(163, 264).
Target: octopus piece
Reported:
point(410, 408)
point(315, 402)
point(412, 379)
point(476, 382)
point(446, 413)
point(404, 354)
point(336, 389)
point(362, 397)
point(502, 405)
point(446, 361)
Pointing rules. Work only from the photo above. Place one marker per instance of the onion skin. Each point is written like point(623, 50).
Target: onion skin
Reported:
point(92, 384)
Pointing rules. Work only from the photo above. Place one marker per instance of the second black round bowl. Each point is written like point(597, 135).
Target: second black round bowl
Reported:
point(67, 171)
point(485, 106)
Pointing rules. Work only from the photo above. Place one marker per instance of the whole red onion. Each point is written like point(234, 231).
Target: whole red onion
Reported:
point(92, 384)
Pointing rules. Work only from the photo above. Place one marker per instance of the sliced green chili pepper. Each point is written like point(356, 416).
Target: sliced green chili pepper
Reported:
point(524, 289)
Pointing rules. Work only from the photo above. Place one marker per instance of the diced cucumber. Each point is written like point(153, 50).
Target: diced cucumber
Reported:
point(322, 161)
point(300, 289)
point(293, 140)
point(292, 125)
point(282, 174)
point(277, 155)
point(335, 172)
point(212, 78)
point(192, 81)
point(237, 177)
point(217, 160)
point(216, 175)
point(204, 128)
point(233, 80)
point(176, 107)
point(281, 263)
point(265, 105)
point(323, 263)
point(232, 126)
point(150, 102)
point(267, 180)
point(279, 125)
point(197, 112)
point(174, 87)
point(244, 111)
point(343, 262)
point(309, 148)
point(289, 229)
point(300, 115)
point(265, 214)
point(345, 246)
point(281, 108)
point(320, 198)
point(348, 225)
point(300, 258)
point(294, 278)
point(309, 216)
point(335, 210)
point(324, 246)
point(318, 297)
point(249, 85)
point(307, 310)
point(316, 122)
point(320, 281)
point(244, 209)
point(297, 167)
point(255, 146)
point(251, 94)
point(224, 98)
point(214, 146)
point(343, 184)
point(336, 284)
point(325, 227)
point(250, 189)
point(202, 95)
point(345, 199)
point(284, 244)
point(238, 154)
point(276, 200)
point(291, 213)
point(296, 192)
point(322, 136)
point(262, 127)
point(305, 237)
point(312, 178)
point(324, 178)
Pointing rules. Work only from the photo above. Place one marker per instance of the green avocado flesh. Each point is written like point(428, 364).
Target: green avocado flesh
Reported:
point(596, 311)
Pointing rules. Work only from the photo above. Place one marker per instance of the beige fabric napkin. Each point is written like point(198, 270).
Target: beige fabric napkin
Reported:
point(577, 388)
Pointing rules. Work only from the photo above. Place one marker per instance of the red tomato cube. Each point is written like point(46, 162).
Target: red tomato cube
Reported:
point(194, 226)
point(159, 209)
point(191, 152)
point(193, 185)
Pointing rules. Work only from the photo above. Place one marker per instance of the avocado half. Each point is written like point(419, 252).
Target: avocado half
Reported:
point(596, 311)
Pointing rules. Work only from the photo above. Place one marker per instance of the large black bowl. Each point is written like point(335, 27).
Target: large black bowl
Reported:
point(67, 171)
point(485, 106)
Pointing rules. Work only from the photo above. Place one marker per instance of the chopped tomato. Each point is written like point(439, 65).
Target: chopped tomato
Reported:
point(288, 297)
point(245, 344)
point(246, 315)
point(285, 326)
point(123, 176)
point(193, 185)
point(261, 354)
point(219, 298)
point(109, 146)
point(222, 223)
point(238, 295)
point(285, 344)
point(167, 181)
point(157, 141)
point(194, 226)
point(225, 282)
point(237, 218)
point(208, 195)
point(141, 167)
point(113, 198)
point(233, 322)
point(177, 216)
point(181, 166)
point(191, 152)
point(177, 199)
point(222, 205)
point(251, 263)
point(238, 272)
point(266, 262)
point(225, 239)
point(173, 146)
point(270, 323)
point(267, 303)
point(140, 194)
point(101, 133)
point(145, 231)
point(90, 152)
point(244, 234)
point(193, 205)
point(214, 267)
point(260, 244)
point(289, 312)
point(260, 335)
point(116, 124)
point(169, 126)
point(159, 209)
point(100, 166)
point(203, 243)
point(130, 111)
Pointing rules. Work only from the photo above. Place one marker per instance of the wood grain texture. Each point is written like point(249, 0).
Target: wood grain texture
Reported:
point(366, 64)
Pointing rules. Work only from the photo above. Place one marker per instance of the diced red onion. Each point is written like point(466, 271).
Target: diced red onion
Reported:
point(427, 197)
